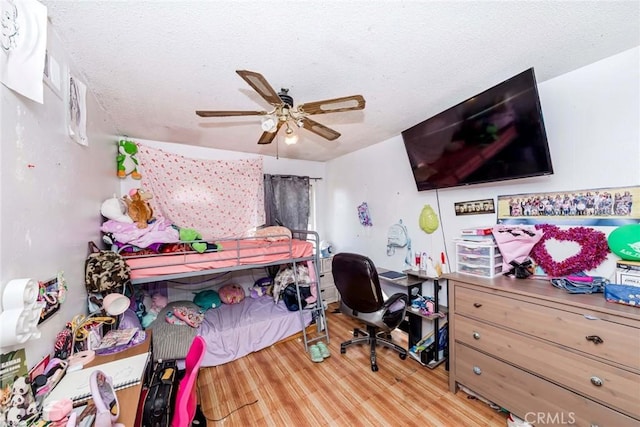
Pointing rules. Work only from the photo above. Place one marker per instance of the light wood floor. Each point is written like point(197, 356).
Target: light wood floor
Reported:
point(281, 386)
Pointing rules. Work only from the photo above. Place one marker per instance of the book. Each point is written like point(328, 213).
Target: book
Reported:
point(124, 373)
point(393, 275)
point(16, 395)
point(116, 338)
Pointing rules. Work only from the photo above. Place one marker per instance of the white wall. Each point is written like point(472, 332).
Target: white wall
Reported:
point(592, 117)
point(51, 189)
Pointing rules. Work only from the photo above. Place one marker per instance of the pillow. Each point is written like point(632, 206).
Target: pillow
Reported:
point(171, 341)
point(274, 233)
point(231, 293)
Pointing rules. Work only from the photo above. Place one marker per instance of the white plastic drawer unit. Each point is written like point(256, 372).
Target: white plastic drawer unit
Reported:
point(478, 259)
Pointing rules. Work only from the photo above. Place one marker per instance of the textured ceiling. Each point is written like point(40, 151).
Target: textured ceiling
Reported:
point(151, 64)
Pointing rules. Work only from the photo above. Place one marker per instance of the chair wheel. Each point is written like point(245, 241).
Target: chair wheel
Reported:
point(343, 349)
point(355, 332)
point(403, 356)
point(374, 368)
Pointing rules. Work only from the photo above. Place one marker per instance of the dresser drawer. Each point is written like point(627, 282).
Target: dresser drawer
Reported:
point(617, 387)
point(528, 396)
point(619, 343)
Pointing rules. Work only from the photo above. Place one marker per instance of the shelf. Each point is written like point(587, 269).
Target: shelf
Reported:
point(431, 365)
point(429, 317)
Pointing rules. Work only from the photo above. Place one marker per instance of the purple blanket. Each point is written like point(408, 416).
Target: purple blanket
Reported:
point(159, 231)
point(233, 331)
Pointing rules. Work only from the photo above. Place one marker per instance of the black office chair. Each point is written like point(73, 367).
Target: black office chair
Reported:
point(361, 297)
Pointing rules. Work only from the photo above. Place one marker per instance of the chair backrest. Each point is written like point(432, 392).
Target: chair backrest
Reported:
point(356, 279)
point(187, 395)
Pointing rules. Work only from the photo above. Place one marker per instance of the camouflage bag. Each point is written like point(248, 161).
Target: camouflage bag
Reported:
point(105, 271)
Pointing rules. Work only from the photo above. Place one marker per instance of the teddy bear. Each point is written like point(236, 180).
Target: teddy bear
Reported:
point(138, 208)
point(127, 162)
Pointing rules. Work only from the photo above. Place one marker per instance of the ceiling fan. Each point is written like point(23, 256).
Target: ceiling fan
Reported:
point(284, 113)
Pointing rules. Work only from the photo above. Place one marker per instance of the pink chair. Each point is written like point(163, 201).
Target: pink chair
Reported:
point(187, 396)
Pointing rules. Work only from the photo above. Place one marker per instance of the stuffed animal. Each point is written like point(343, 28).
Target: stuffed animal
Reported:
point(15, 416)
point(207, 299)
point(261, 287)
point(116, 210)
point(21, 389)
point(139, 210)
point(127, 162)
point(231, 293)
point(158, 302)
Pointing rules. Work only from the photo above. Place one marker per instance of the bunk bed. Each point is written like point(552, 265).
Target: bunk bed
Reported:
point(232, 331)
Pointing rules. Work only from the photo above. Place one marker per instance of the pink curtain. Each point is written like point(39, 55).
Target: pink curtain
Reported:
point(217, 198)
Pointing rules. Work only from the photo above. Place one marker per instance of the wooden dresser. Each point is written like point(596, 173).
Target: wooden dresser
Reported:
point(549, 357)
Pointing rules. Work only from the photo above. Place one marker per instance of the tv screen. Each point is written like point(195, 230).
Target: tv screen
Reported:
point(496, 135)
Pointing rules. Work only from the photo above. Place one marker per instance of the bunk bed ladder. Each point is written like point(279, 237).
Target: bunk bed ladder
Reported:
point(322, 329)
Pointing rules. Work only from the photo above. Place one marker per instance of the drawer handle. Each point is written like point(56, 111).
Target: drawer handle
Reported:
point(477, 370)
point(477, 305)
point(594, 339)
point(596, 381)
point(476, 335)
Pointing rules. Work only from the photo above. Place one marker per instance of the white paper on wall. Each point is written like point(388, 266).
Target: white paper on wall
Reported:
point(23, 40)
point(77, 111)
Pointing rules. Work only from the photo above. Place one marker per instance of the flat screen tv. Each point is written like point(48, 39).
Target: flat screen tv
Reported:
point(496, 135)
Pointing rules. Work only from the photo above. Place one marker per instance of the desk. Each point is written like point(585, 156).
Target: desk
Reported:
point(413, 286)
point(129, 397)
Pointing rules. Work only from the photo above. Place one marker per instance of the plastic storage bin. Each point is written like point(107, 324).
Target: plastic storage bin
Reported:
point(478, 259)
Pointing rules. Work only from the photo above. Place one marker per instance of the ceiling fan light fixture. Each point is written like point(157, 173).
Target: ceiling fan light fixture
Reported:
point(269, 124)
point(290, 137)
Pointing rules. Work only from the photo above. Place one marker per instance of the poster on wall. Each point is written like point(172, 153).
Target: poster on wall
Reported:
point(475, 207)
point(52, 75)
point(77, 111)
point(596, 207)
point(23, 37)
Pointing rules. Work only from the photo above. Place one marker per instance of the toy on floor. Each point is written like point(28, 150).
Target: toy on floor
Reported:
point(139, 210)
point(127, 162)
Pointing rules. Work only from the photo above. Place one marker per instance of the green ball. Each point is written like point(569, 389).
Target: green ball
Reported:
point(624, 241)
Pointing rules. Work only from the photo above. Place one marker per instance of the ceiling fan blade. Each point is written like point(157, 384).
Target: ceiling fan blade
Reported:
point(347, 103)
point(260, 85)
point(202, 113)
point(319, 129)
point(268, 137)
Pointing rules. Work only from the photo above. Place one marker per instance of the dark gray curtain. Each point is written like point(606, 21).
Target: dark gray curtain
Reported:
point(286, 201)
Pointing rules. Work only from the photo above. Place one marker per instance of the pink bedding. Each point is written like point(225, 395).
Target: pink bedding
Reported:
point(233, 253)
